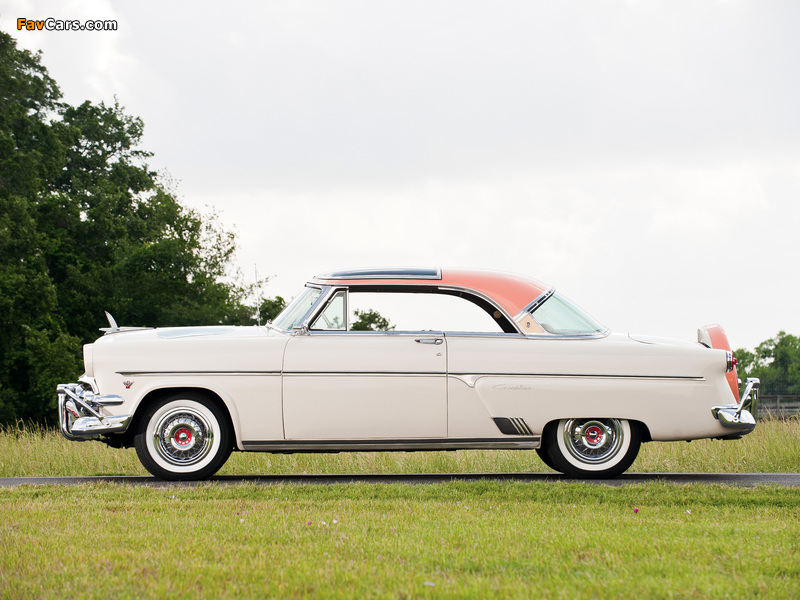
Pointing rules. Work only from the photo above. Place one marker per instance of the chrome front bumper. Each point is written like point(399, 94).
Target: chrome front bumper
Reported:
point(742, 416)
point(79, 413)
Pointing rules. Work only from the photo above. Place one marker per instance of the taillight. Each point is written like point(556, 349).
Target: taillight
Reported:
point(732, 361)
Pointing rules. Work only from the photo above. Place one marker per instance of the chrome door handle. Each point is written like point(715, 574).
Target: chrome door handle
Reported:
point(435, 341)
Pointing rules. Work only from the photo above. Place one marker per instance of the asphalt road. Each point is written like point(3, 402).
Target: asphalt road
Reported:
point(736, 479)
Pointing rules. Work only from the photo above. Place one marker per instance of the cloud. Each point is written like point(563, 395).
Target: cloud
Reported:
point(644, 157)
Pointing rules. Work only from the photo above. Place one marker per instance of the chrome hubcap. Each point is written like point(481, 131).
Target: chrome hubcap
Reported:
point(183, 437)
point(593, 440)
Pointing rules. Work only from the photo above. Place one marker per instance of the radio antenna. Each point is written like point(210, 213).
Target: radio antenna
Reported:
point(258, 296)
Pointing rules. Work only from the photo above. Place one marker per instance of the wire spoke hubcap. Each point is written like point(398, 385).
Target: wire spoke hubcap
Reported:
point(593, 440)
point(183, 437)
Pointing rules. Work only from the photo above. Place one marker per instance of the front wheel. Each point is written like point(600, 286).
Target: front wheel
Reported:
point(592, 448)
point(184, 436)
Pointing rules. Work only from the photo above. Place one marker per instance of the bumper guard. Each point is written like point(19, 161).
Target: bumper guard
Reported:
point(79, 413)
point(742, 416)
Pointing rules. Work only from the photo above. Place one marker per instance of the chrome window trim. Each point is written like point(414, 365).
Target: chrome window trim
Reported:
point(486, 298)
point(302, 321)
point(536, 303)
point(529, 310)
point(313, 318)
point(569, 336)
point(392, 333)
point(387, 273)
point(329, 291)
point(322, 300)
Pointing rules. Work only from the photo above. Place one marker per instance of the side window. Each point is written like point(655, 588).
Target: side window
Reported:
point(334, 316)
point(406, 311)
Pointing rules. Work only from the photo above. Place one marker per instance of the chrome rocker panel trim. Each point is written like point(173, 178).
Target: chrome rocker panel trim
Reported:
point(79, 417)
point(392, 445)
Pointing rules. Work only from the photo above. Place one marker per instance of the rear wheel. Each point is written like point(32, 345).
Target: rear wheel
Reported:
point(184, 436)
point(592, 448)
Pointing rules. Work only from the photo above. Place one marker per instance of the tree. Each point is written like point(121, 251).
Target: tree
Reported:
point(776, 363)
point(271, 308)
point(86, 226)
point(370, 320)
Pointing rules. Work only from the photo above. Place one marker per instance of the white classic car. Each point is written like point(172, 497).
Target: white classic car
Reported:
point(463, 360)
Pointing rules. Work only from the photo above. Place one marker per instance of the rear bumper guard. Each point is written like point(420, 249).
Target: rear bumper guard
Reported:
point(741, 416)
point(79, 413)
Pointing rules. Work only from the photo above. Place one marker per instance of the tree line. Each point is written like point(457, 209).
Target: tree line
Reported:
point(776, 363)
point(86, 227)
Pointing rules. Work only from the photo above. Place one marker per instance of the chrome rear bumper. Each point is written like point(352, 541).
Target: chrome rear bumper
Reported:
point(79, 416)
point(742, 416)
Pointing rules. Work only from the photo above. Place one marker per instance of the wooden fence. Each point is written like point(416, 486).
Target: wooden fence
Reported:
point(780, 406)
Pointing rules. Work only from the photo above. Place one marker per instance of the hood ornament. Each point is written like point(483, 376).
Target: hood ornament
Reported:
point(114, 328)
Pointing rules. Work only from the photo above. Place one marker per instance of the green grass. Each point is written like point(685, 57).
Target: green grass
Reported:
point(449, 540)
point(454, 540)
point(29, 451)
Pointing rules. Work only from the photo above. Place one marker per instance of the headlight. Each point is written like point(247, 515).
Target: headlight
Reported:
point(88, 362)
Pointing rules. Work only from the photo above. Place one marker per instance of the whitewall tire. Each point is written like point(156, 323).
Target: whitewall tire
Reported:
point(592, 448)
point(184, 436)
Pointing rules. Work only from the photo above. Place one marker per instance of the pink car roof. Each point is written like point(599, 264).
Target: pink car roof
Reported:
point(511, 291)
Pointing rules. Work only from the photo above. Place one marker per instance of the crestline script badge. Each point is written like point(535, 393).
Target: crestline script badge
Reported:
point(518, 387)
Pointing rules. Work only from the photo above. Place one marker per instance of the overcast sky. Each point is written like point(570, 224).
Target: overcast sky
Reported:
point(642, 157)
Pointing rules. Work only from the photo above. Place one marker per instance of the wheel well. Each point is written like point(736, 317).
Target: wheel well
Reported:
point(159, 394)
point(644, 431)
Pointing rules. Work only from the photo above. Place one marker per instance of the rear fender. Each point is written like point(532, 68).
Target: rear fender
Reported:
point(713, 336)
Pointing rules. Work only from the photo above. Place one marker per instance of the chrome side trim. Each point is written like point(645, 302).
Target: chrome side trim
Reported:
point(365, 374)
point(484, 335)
point(201, 373)
point(397, 445)
point(472, 378)
point(469, 378)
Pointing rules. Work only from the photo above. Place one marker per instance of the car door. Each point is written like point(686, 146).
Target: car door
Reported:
point(340, 384)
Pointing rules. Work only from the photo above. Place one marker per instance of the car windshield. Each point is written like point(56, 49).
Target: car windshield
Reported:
point(559, 316)
point(292, 314)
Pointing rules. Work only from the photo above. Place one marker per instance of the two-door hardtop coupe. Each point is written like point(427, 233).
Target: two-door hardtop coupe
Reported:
point(465, 360)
